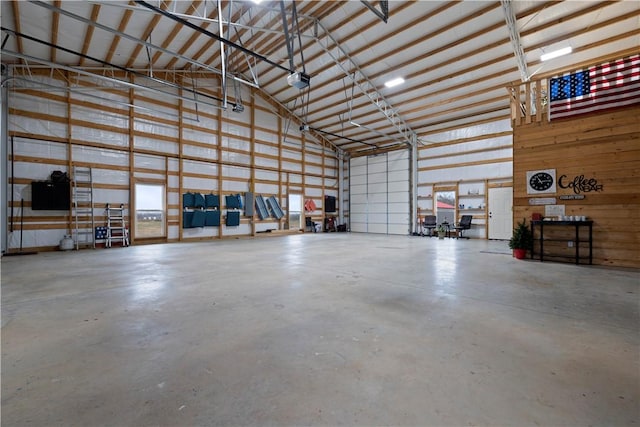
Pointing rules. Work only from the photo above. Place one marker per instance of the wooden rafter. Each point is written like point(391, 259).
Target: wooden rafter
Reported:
point(210, 42)
point(95, 11)
point(422, 87)
point(277, 41)
point(380, 40)
point(174, 31)
point(126, 16)
point(55, 21)
point(145, 35)
point(16, 24)
point(192, 39)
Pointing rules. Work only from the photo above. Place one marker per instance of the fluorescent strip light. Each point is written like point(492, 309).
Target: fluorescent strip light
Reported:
point(556, 53)
point(394, 82)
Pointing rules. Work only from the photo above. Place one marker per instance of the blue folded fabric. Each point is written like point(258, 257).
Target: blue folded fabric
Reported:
point(187, 200)
point(211, 201)
point(187, 217)
point(198, 200)
point(233, 218)
point(211, 218)
point(198, 219)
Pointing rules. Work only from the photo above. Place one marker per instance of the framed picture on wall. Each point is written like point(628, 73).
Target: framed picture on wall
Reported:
point(541, 181)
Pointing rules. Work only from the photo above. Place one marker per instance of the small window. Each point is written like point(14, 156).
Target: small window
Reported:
point(150, 210)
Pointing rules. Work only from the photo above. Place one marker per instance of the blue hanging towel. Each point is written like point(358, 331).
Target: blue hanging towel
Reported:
point(212, 219)
point(187, 200)
point(187, 218)
point(198, 219)
point(198, 200)
point(211, 201)
point(231, 201)
point(233, 218)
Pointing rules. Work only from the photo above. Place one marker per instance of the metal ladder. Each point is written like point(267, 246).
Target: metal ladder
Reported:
point(83, 217)
point(116, 227)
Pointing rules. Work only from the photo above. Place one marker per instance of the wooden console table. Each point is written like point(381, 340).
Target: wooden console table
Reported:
point(576, 243)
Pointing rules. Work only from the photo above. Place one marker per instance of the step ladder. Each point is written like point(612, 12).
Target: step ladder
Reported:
point(82, 207)
point(117, 230)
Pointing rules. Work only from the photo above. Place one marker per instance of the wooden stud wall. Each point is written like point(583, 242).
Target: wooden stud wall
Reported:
point(156, 147)
point(605, 147)
point(464, 164)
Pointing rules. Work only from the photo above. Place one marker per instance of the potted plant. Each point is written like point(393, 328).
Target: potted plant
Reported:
point(521, 240)
point(441, 231)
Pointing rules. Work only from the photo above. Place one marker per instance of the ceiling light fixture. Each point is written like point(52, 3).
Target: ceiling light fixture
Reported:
point(556, 53)
point(395, 82)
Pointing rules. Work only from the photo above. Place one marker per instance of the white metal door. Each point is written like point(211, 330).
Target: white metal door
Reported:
point(358, 195)
point(379, 193)
point(500, 213)
point(398, 192)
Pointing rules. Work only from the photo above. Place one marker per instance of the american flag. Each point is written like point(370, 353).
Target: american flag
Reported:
point(609, 85)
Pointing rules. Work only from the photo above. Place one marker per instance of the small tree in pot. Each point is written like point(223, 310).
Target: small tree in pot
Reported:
point(521, 240)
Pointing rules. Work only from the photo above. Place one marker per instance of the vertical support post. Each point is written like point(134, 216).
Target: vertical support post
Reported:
point(340, 187)
point(413, 183)
point(69, 151)
point(538, 101)
point(219, 163)
point(4, 141)
point(132, 184)
point(252, 182)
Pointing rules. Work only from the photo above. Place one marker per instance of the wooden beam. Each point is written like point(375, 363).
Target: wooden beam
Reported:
point(174, 31)
point(124, 21)
point(55, 21)
point(145, 35)
point(95, 11)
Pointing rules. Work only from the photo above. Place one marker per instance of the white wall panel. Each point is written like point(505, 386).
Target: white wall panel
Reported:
point(174, 198)
point(398, 197)
point(315, 192)
point(99, 155)
point(235, 186)
point(37, 126)
point(313, 169)
point(377, 228)
point(266, 189)
point(35, 171)
point(290, 166)
point(145, 143)
point(200, 184)
point(190, 166)
point(201, 152)
point(173, 232)
point(266, 175)
point(313, 180)
point(148, 161)
point(206, 137)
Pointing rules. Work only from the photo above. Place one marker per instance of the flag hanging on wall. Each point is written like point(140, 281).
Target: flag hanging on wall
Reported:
point(609, 85)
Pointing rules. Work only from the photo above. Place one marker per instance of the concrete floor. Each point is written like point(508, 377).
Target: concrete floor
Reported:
point(317, 329)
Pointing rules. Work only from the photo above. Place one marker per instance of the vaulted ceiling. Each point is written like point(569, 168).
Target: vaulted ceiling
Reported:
point(456, 58)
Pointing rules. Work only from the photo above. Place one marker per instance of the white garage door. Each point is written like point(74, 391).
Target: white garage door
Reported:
point(379, 193)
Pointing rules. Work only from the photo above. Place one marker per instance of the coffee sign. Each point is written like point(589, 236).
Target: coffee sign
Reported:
point(580, 184)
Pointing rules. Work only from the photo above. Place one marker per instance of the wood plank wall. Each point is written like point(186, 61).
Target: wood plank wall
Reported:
point(605, 147)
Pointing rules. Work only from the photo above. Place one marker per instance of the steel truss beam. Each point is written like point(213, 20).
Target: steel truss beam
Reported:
point(136, 40)
point(514, 35)
point(315, 31)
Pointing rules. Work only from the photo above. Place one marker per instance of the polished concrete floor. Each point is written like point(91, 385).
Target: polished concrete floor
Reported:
point(317, 329)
